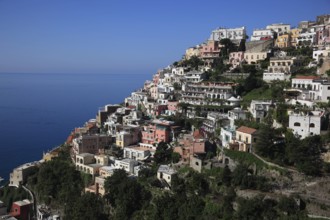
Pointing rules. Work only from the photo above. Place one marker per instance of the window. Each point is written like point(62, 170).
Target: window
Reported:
point(296, 124)
point(239, 137)
point(312, 125)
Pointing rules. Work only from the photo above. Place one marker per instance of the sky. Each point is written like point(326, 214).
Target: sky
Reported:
point(111, 36)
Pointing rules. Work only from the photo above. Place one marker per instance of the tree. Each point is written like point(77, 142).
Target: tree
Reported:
point(88, 206)
point(264, 144)
point(58, 180)
point(226, 176)
point(163, 153)
point(124, 194)
point(175, 157)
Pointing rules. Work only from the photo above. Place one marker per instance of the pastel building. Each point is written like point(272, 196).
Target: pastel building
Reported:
point(128, 136)
point(91, 143)
point(285, 64)
point(87, 163)
point(279, 28)
point(234, 34)
point(269, 77)
point(157, 131)
point(139, 153)
point(20, 174)
point(295, 33)
point(192, 51)
point(210, 51)
point(172, 107)
point(21, 209)
point(165, 174)
point(306, 124)
point(236, 58)
point(262, 34)
point(259, 109)
point(126, 164)
point(246, 138)
point(283, 40)
point(189, 144)
point(303, 82)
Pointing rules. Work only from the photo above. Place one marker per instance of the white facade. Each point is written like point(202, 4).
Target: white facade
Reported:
point(320, 91)
point(178, 71)
point(302, 82)
point(21, 173)
point(231, 33)
point(194, 76)
point(165, 173)
point(279, 28)
point(268, 77)
point(261, 34)
point(136, 153)
point(236, 114)
point(317, 54)
point(259, 109)
point(126, 164)
point(305, 125)
point(227, 135)
point(307, 38)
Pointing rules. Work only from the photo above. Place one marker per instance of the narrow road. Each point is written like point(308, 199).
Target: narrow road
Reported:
point(34, 201)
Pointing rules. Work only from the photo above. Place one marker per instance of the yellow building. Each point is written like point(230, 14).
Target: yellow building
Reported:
point(192, 51)
point(283, 40)
point(50, 155)
point(245, 137)
point(294, 35)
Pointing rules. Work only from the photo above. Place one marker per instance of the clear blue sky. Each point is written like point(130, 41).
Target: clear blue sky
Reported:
point(106, 36)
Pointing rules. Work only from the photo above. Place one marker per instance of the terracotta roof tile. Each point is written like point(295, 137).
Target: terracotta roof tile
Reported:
point(306, 77)
point(246, 130)
point(197, 134)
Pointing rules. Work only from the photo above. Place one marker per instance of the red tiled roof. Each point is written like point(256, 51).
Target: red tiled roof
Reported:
point(306, 77)
point(246, 130)
point(197, 134)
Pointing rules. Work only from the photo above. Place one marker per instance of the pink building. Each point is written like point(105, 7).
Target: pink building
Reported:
point(210, 51)
point(172, 107)
point(157, 131)
point(235, 58)
point(159, 109)
point(323, 35)
point(190, 144)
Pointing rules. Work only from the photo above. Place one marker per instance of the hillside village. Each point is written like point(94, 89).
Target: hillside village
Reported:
point(234, 107)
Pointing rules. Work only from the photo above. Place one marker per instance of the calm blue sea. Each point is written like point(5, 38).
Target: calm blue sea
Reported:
point(38, 111)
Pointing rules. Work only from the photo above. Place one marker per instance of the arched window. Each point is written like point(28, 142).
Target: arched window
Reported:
point(312, 125)
point(296, 124)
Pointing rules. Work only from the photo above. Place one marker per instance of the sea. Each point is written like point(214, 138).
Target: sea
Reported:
point(38, 111)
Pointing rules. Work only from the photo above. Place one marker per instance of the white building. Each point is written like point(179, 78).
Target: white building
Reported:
point(307, 37)
point(87, 163)
point(165, 173)
point(231, 33)
point(126, 164)
point(317, 54)
point(262, 34)
point(306, 124)
point(137, 152)
point(20, 174)
point(194, 76)
point(320, 90)
point(236, 114)
point(268, 77)
point(303, 82)
point(227, 135)
point(259, 109)
point(279, 28)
